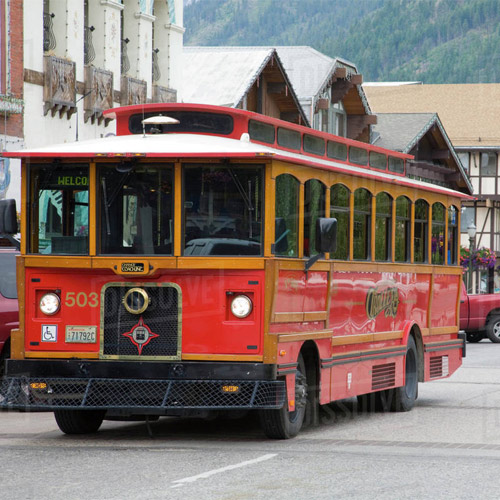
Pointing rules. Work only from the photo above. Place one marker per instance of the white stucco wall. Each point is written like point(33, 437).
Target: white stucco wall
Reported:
point(105, 17)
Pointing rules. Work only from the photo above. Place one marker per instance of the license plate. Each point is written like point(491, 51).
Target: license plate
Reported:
point(81, 334)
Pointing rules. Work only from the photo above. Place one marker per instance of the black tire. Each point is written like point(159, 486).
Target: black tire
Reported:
point(79, 421)
point(493, 329)
point(403, 398)
point(283, 424)
point(5, 354)
point(372, 402)
point(474, 337)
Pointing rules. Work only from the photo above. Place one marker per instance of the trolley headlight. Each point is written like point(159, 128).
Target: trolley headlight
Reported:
point(50, 304)
point(136, 300)
point(241, 306)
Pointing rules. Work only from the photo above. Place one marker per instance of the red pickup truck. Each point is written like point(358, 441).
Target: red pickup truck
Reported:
point(480, 316)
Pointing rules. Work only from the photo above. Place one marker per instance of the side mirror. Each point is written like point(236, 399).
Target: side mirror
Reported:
point(8, 217)
point(280, 235)
point(326, 234)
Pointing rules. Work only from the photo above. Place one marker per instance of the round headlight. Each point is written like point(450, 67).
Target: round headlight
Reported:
point(50, 303)
point(136, 300)
point(241, 306)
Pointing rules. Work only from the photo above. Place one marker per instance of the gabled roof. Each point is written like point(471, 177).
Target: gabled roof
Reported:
point(470, 113)
point(309, 69)
point(224, 75)
point(311, 72)
point(403, 131)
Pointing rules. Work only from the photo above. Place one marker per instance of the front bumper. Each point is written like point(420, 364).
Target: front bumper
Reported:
point(135, 387)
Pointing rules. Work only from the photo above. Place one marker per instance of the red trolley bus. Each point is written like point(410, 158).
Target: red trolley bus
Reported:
point(209, 259)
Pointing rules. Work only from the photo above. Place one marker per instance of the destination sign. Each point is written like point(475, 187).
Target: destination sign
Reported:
point(72, 180)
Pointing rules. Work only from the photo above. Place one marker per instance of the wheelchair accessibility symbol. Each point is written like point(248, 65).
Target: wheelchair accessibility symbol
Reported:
point(49, 333)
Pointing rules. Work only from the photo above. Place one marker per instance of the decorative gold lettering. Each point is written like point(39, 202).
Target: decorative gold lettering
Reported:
point(382, 298)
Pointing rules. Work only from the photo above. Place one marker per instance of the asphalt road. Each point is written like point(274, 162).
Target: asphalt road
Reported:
point(448, 446)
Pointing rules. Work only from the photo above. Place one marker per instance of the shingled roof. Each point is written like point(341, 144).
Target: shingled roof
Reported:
point(224, 75)
point(405, 132)
point(470, 113)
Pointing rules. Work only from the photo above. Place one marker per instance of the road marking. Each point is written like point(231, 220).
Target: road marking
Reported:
point(204, 475)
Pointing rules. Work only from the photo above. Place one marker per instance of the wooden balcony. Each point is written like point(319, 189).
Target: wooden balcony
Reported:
point(133, 91)
point(98, 93)
point(59, 88)
point(164, 94)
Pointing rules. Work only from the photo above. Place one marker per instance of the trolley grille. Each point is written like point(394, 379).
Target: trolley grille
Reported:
point(152, 334)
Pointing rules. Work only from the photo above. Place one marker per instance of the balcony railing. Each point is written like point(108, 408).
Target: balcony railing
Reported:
point(156, 66)
point(88, 47)
point(49, 39)
point(125, 63)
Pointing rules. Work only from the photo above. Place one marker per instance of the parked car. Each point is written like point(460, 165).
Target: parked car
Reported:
point(9, 314)
point(480, 316)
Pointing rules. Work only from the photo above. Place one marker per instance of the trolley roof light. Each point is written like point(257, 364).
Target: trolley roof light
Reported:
point(157, 120)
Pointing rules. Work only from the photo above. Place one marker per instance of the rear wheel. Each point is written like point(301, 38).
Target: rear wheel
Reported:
point(474, 336)
point(5, 354)
point(79, 421)
point(493, 329)
point(404, 397)
point(284, 424)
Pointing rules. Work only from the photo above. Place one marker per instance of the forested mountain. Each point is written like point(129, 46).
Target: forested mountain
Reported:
point(434, 41)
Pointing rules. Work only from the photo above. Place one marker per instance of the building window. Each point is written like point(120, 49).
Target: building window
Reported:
point(325, 113)
point(489, 164)
point(464, 160)
point(468, 218)
point(339, 117)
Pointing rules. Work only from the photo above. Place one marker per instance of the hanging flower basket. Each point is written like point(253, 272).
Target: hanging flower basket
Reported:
point(482, 258)
point(464, 257)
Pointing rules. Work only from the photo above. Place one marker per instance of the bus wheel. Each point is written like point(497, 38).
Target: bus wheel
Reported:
point(493, 329)
point(474, 336)
point(284, 424)
point(3, 356)
point(404, 397)
point(79, 421)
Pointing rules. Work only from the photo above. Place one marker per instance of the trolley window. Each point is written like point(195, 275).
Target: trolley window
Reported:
point(59, 222)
